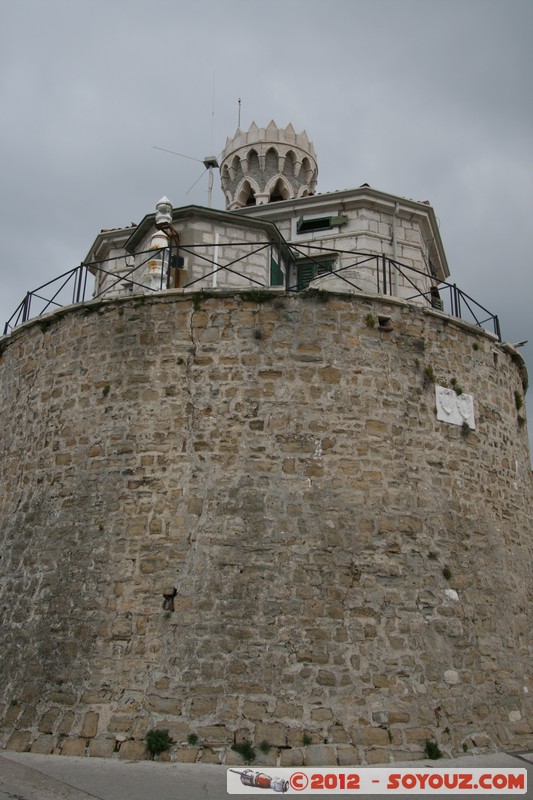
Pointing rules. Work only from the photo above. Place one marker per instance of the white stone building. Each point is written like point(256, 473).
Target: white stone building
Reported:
point(276, 232)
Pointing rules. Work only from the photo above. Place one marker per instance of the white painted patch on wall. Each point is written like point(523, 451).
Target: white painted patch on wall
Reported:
point(454, 408)
point(451, 594)
point(451, 677)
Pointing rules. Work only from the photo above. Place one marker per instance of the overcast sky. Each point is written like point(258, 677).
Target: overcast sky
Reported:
point(427, 99)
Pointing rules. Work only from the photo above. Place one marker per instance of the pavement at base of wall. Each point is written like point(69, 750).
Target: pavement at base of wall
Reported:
point(29, 776)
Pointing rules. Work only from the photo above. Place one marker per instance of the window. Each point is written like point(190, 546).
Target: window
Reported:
point(312, 224)
point(307, 271)
point(277, 278)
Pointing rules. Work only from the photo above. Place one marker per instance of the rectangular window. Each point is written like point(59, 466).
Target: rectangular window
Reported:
point(307, 271)
point(277, 278)
point(314, 224)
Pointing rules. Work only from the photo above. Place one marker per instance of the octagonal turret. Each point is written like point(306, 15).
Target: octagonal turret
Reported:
point(263, 165)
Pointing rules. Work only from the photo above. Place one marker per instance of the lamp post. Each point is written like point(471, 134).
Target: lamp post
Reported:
point(163, 222)
point(163, 213)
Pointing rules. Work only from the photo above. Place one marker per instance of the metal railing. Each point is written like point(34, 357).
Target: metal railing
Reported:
point(441, 295)
point(72, 287)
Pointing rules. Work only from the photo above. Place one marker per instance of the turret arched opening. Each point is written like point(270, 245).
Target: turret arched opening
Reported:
point(246, 192)
point(271, 161)
point(279, 189)
point(290, 164)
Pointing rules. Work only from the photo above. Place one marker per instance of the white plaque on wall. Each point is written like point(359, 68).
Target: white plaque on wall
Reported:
point(454, 408)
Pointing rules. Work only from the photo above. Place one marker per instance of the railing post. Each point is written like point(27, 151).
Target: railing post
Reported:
point(497, 328)
point(169, 265)
point(78, 281)
point(26, 308)
point(85, 271)
point(457, 301)
point(384, 274)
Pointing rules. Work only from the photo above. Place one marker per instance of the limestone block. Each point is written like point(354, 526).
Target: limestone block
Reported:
point(284, 709)
point(338, 735)
point(102, 748)
point(292, 757)
point(214, 735)
point(186, 755)
point(73, 747)
point(62, 698)
point(418, 735)
point(136, 751)
point(120, 723)
point(44, 744)
point(19, 741)
point(90, 724)
point(407, 755)
point(322, 715)
point(295, 737)
point(377, 756)
point(320, 755)
point(326, 678)
point(274, 733)
point(269, 759)
point(347, 756)
point(451, 677)
point(203, 706)
point(375, 736)
point(254, 710)
point(11, 716)
point(163, 705)
point(209, 756)
point(65, 726)
point(48, 720)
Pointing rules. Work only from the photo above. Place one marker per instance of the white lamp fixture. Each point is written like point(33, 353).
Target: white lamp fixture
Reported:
point(163, 212)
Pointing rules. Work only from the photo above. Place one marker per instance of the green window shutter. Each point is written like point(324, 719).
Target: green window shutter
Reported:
point(310, 270)
point(306, 273)
point(277, 278)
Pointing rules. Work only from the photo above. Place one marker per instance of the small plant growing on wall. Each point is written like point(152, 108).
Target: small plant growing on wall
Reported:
point(265, 746)
point(429, 375)
point(519, 400)
point(465, 429)
point(192, 739)
point(45, 324)
point(197, 301)
point(245, 750)
point(370, 321)
point(455, 385)
point(257, 296)
point(306, 740)
point(432, 750)
point(447, 573)
point(157, 741)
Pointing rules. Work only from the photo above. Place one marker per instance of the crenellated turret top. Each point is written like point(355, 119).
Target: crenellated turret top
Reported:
point(262, 165)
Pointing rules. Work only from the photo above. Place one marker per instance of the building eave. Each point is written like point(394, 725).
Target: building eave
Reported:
point(187, 212)
point(362, 197)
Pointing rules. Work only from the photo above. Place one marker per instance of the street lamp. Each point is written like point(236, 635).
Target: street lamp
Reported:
point(163, 222)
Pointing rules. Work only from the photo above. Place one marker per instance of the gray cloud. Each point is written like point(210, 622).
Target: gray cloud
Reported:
point(424, 99)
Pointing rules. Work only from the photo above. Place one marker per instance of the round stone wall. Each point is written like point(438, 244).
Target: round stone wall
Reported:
point(239, 518)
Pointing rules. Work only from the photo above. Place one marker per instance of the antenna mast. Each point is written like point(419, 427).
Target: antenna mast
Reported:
point(239, 117)
point(210, 162)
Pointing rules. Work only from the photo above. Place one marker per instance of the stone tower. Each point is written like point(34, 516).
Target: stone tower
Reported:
point(285, 499)
point(264, 165)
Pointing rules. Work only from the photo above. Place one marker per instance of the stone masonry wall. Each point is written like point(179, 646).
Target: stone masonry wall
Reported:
point(353, 577)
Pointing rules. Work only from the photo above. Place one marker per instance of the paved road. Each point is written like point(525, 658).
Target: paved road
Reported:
point(28, 776)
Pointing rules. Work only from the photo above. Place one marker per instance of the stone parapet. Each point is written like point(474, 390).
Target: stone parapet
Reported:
point(351, 574)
